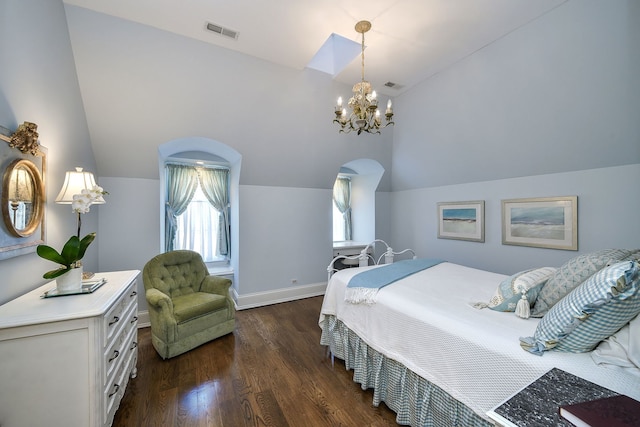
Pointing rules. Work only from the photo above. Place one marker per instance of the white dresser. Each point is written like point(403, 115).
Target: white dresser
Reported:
point(66, 361)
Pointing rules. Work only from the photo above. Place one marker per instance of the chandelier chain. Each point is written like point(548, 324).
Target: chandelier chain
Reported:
point(362, 56)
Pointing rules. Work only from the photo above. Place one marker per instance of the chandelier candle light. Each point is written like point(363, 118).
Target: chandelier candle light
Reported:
point(365, 115)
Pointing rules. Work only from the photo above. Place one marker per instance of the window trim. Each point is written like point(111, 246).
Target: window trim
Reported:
point(171, 149)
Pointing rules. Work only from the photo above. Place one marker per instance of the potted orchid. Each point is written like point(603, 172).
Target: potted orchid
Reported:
point(75, 248)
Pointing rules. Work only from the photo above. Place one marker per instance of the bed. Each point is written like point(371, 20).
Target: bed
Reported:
point(434, 357)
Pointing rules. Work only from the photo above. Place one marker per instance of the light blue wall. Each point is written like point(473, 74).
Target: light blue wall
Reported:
point(608, 206)
point(143, 86)
point(284, 233)
point(559, 94)
point(38, 83)
point(129, 231)
point(513, 120)
point(548, 110)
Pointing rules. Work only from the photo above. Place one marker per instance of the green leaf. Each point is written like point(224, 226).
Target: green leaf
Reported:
point(55, 273)
point(48, 253)
point(70, 251)
point(84, 244)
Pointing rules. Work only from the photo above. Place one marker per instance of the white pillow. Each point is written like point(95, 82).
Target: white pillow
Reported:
point(622, 348)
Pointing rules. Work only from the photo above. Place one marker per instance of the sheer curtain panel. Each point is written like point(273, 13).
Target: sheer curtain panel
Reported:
point(215, 186)
point(342, 199)
point(182, 182)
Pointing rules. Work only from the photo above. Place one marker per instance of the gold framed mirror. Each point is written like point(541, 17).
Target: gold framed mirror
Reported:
point(23, 164)
point(22, 198)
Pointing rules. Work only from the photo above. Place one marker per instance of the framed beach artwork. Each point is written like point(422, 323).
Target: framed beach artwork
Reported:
point(461, 220)
point(549, 222)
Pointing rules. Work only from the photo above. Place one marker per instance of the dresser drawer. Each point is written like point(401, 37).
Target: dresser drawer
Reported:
point(121, 345)
point(113, 320)
point(114, 390)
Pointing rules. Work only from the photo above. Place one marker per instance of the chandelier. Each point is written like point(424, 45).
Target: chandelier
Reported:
point(365, 115)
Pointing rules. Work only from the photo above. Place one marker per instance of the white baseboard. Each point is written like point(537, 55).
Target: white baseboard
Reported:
point(259, 299)
point(143, 319)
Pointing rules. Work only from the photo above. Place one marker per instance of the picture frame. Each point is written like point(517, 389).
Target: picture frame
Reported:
point(461, 220)
point(544, 222)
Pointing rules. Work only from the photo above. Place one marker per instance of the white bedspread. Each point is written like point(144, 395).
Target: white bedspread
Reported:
point(426, 322)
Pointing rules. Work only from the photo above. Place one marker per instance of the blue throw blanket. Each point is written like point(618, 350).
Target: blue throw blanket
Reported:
point(364, 286)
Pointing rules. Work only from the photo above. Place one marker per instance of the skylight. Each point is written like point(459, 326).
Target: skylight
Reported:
point(335, 54)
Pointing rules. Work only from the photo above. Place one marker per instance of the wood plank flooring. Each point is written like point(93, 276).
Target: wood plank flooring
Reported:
point(272, 371)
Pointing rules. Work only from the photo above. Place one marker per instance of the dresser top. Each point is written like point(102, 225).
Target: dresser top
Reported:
point(31, 308)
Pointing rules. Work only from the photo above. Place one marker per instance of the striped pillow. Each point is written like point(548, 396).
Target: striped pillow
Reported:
point(510, 291)
point(593, 311)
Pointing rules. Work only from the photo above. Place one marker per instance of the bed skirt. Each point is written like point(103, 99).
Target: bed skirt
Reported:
point(416, 401)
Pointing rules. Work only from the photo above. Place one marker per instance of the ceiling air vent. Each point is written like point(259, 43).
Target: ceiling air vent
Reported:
point(393, 85)
point(218, 29)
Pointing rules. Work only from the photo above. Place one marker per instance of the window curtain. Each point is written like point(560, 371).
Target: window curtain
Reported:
point(182, 182)
point(198, 228)
point(342, 199)
point(215, 186)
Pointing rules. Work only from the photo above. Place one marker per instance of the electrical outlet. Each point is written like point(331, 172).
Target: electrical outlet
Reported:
point(294, 281)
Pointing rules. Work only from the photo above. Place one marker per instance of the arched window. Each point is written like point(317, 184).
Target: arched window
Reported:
point(354, 201)
point(199, 181)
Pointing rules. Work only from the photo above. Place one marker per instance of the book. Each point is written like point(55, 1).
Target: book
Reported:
point(615, 411)
point(538, 403)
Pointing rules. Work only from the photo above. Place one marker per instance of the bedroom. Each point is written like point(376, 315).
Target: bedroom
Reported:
point(547, 110)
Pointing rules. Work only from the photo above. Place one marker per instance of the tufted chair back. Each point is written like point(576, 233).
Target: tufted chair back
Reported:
point(175, 273)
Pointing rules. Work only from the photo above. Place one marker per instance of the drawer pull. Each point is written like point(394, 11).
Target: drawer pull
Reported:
point(116, 319)
point(116, 387)
point(133, 294)
point(134, 319)
point(116, 353)
point(133, 345)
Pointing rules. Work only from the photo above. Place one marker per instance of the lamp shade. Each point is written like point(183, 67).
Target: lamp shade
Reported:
point(20, 186)
point(74, 183)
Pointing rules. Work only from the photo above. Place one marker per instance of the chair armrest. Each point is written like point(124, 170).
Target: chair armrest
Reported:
point(158, 300)
point(216, 285)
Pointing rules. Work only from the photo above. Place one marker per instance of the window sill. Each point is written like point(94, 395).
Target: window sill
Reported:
point(223, 270)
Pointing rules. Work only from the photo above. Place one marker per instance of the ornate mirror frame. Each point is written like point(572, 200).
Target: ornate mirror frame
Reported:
point(20, 240)
point(22, 196)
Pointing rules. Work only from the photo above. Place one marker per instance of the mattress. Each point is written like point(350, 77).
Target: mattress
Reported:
point(427, 323)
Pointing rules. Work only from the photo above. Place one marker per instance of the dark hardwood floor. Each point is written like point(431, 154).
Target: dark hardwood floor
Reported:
point(272, 371)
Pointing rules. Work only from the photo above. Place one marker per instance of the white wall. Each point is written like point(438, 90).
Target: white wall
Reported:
point(608, 207)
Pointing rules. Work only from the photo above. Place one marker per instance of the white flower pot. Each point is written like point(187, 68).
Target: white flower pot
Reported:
point(71, 281)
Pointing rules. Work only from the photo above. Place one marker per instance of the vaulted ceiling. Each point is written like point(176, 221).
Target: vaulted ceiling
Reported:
point(410, 40)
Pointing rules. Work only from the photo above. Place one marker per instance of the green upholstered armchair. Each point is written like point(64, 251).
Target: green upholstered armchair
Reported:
point(187, 306)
